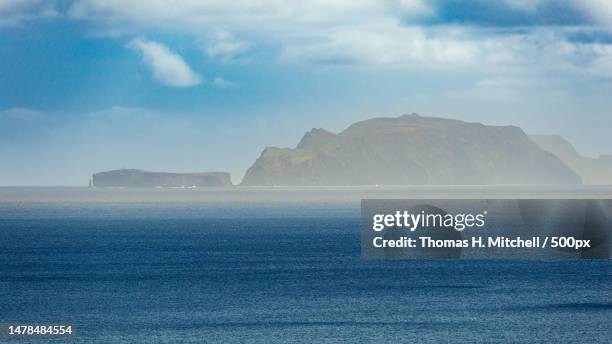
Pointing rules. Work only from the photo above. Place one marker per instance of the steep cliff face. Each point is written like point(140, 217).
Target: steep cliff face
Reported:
point(411, 150)
point(139, 178)
point(592, 170)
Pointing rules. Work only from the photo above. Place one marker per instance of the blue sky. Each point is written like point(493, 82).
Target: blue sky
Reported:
point(91, 85)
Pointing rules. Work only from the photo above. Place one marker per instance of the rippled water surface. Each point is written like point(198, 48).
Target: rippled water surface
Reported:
point(167, 270)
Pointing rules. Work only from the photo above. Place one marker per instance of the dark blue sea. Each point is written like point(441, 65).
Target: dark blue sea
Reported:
point(268, 272)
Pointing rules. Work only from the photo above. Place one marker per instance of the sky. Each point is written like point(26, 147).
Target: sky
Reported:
point(186, 86)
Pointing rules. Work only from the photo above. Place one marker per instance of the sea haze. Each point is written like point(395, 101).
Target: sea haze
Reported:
point(273, 265)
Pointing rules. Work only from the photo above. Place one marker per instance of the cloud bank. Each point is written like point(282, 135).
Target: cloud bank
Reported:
point(504, 35)
point(399, 33)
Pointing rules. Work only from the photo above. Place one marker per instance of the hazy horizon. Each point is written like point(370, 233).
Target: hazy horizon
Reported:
point(236, 177)
point(201, 86)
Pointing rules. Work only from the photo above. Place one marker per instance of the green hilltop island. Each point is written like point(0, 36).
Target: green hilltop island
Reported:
point(411, 150)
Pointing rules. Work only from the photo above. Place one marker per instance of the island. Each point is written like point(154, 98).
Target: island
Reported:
point(411, 150)
point(140, 178)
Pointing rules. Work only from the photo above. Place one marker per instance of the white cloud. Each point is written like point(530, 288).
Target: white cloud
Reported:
point(168, 67)
point(591, 59)
point(268, 12)
point(524, 5)
point(14, 12)
point(277, 24)
point(363, 32)
point(385, 44)
point(600, 10)
point(367, 32)
point(602, 65)
point(224, 46)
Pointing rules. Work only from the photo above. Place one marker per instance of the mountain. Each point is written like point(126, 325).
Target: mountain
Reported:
point(140, 178)
point(592, 170)
point(411, 150)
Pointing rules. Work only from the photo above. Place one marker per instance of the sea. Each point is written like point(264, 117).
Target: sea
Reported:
point(272, 265)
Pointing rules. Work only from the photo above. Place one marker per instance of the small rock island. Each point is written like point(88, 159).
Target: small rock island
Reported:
point(146, 179)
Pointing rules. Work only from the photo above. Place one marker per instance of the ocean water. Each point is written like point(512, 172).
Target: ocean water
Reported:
point(161, 270)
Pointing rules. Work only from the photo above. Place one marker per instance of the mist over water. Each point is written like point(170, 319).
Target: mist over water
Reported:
point(292, 194)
